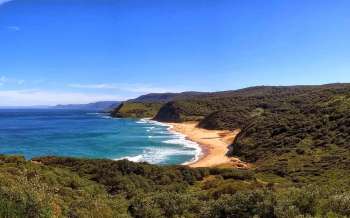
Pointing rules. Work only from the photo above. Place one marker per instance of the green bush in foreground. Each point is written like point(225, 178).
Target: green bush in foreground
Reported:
point(69, 187)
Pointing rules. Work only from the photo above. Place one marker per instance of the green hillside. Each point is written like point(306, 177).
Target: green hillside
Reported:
point(147, 106)
point(297, 133)
point(294, 132)
point(165, 97)
point(68, 187)
point(136, 110)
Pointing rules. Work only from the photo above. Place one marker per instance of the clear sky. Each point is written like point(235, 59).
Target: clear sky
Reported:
point(74, 51)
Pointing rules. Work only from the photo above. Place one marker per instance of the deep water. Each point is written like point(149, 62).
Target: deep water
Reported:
point(34, 133)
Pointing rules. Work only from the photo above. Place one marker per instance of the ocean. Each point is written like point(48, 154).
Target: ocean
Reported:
point(70, 133)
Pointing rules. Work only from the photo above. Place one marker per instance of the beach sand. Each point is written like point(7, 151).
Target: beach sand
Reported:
point(214, 144)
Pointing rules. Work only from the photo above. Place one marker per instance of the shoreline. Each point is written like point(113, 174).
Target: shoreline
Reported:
point(213, 143)
point(184, 141)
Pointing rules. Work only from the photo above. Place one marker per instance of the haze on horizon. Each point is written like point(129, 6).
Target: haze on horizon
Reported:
point(78, 51)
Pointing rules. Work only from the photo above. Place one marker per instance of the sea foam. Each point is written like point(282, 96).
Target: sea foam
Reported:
point(156, 155)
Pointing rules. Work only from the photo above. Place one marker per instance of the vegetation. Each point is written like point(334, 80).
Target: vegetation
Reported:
point(297, 139)
point(299, 133)
point(136, 110)
point(68, 187)
point(165, 97)
point(30, 189)
point(148, 105)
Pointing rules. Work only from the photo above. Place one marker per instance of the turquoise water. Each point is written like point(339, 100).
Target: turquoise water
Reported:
point(34, 133)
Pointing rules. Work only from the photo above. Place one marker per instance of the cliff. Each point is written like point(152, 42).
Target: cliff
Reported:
point(149, 105)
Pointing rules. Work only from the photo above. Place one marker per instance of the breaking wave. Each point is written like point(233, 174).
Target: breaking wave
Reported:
point(157, 155)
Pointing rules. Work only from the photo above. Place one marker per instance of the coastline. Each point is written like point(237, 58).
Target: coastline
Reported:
point(181, 136)
point(213, 143)
point(177, 139)
point(211, 146)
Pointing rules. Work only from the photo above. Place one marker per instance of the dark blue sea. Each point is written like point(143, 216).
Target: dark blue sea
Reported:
point(42, 132)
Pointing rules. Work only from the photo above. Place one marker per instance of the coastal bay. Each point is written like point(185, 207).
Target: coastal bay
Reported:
point(88, 134)
point(214, 145)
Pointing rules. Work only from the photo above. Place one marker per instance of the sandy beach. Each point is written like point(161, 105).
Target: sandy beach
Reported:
point(214, 144)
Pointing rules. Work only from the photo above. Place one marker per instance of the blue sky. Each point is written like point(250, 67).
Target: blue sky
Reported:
point(76, 51)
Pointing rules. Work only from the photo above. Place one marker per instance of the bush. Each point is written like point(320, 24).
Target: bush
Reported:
point(242, 205)
point(339, 204)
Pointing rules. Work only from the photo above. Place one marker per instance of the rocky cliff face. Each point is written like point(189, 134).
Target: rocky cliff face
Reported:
point(169, 113)
point(226, 120)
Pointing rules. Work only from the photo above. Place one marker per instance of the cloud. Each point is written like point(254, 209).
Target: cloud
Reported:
point(20, 82)
point(134, 88)
point(41, 97)
point(3, 79)
point(6, 80)
point(4, 1)
point(93, 86)
point(13, 28)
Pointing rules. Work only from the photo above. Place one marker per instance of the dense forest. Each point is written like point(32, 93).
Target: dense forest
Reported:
point(68, 187)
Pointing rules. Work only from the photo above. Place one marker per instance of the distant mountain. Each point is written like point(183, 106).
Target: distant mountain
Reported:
point(96, 106)
point(149, 105)
point(165, 97)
